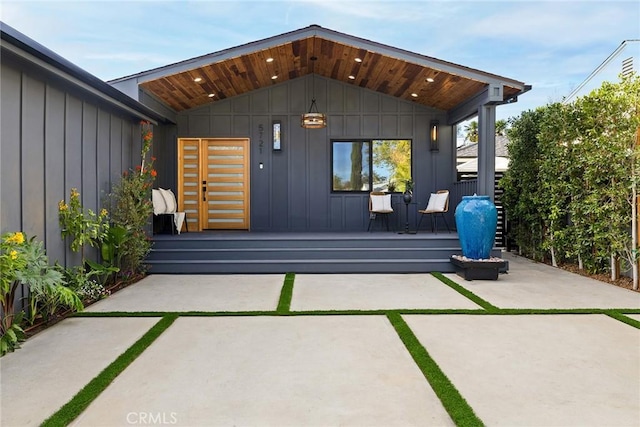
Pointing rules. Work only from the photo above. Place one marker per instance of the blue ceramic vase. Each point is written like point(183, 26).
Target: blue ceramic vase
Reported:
point(476, 220)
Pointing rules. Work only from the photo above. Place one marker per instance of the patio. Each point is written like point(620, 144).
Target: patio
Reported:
point(540, 346)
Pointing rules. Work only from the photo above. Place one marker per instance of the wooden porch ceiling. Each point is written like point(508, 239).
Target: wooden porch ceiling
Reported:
point(394, 75)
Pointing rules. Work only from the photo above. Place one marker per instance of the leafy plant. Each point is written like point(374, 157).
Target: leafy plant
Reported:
point(83, 228)
point(89, 284)
point(408, 186)
point(24, 261)
point(115, 237)
point(12, 335)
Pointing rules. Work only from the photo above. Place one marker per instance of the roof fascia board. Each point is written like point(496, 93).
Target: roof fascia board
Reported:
point(31, 51)
point(469, 108)
point(415, 58)
point(317, 31)
point(50, 68)
point(233, 52)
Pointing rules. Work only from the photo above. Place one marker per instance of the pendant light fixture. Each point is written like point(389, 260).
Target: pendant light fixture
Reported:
point(313, 119)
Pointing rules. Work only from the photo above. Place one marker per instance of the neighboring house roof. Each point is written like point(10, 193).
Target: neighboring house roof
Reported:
point(471, 149)
point(360, 62)
point(501, 165)
point(17, 43)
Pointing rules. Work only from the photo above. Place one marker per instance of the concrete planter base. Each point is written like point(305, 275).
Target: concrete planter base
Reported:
point(479, 270)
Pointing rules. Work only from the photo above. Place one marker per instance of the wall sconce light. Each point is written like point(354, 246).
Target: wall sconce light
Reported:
point(277, 135)
point(433, 135)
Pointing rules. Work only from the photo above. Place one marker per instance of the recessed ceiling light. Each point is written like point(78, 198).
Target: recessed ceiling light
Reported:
point(358, 60)
point(430, 80)
point(211, 95)
point(269, 59)
point(352, 77)
point(274, 77)
point(197, 79)
point(415, 95)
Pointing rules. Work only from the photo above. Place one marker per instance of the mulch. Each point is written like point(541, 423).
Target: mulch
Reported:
point(622, 282)
point(40, 324)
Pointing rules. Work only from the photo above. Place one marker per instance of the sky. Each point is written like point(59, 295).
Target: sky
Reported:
point(551, 45)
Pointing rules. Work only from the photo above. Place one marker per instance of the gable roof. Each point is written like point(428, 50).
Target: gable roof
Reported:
point(381, 68)
point(471, 149)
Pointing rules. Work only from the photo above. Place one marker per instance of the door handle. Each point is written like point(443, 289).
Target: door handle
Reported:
point(204, 191)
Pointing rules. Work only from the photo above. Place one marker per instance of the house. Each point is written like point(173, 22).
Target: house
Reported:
point(228, 136)
point(60, 128)
point(315, 179)
point(467, 158)
point(622, 61)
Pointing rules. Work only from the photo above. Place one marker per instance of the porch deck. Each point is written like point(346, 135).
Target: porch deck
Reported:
point(302, 252)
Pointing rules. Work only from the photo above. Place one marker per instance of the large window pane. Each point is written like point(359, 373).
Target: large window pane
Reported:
point(391, 164)
point(378, 165)
point(351, 167)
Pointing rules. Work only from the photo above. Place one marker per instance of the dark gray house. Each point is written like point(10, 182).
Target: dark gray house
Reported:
point(369, 92)
point(228, 136)
point(60, 128)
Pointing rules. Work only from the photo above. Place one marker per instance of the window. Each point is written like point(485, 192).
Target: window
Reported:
point(370, 165)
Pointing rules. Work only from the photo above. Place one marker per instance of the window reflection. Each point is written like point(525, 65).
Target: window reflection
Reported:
point(371, 165)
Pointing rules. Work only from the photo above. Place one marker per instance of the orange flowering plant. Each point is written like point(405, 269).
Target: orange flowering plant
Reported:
point(132, 207)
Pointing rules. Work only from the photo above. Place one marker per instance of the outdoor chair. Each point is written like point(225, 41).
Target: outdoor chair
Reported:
point(438, 205)
point(379, 204)
point(164, 209)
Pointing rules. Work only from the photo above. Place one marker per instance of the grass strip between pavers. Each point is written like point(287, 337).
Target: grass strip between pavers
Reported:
point(72, 409)
point(373, 312)
point(622, 318)
point(465, 292)
point(459, 410)
point(284, 304)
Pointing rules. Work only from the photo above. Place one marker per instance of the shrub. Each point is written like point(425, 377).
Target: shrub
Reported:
point(132, 209)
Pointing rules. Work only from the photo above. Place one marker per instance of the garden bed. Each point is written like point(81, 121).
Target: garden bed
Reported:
point(41, 324)
point(622, 282)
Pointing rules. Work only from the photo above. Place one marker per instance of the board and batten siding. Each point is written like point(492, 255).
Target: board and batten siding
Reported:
point(292, 192)
point(54, 138)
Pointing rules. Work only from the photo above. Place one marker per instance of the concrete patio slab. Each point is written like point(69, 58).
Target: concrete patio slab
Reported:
point(539, 370)
point(634, 316)
point(272, 371)
point(161, 292)
point(374, 292)
point(535, 285)
point(52, 366)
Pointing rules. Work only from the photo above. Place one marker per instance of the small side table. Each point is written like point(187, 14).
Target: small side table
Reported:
point(406, 198)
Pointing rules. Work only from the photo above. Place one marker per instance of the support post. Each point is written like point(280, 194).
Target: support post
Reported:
point(486, 150)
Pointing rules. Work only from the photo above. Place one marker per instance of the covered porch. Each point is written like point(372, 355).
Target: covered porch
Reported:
point(297, 179)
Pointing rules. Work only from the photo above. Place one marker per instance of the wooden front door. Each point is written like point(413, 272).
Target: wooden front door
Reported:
point(213, 182)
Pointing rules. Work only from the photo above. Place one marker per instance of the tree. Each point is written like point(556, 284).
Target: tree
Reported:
point(395, 156)
point(471, 131)
point(521, 183)
point(571, 187)
point(501, 127)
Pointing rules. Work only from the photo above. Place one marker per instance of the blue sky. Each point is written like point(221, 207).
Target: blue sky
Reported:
point(552, 45)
